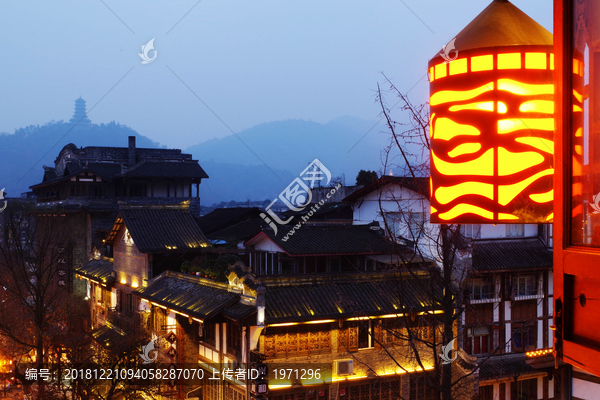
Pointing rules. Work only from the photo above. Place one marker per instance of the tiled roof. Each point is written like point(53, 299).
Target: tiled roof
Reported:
point(238, 311)
point(222, 218)
point(108, 335)
point(150, 169)
point(328, 211)
point(333, 300)
point(49, 173)
point(503, 254)
point(105, 170)
point(72, 168)
point(190, 295)
point(98, 270)
point(240, 231)
point(160, 229)
point(419, 185)
point(330, 239)
point(511, 365)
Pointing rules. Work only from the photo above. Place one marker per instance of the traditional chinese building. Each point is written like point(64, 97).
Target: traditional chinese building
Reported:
point(87, 185)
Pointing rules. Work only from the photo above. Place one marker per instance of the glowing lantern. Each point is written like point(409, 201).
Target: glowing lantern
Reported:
point(492, 122)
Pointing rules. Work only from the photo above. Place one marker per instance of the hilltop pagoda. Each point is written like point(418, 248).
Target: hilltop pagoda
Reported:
point(79, 116)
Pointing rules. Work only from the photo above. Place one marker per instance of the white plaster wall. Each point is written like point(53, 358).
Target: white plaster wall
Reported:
point(585, 390)
point(393, 198)
point(267, 245)
point(491, 231)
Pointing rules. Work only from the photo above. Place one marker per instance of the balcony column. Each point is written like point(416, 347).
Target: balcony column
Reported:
point(507, 318)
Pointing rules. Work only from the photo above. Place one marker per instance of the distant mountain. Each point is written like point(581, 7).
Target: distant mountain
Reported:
point(292, 144)
point(28, 149)
point(286, 147)
point(239, 182)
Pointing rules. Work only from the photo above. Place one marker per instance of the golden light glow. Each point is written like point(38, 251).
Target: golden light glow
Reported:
point(543, 197)
point(447, 194)
point(576, 108)
point(577, 189)
point(280, 386)
point(482, 63)
point(524, 89)
point(323, 321)
point(509, 61)
point(506, 193)
point(538, 353)
point(431, 75)
point(535, 60)
point(445, 96)
point(440, 70)
point(515, 124)
point(134, 284)
point(578, 96)
point(541, 106)
point(465, 148)
point(124, 281)
point(550, 217)
point(507, 216)
point(579, 149)
point(458, 66)
point(483, 165)
point(461, 209)
point(484, 106)
point(537, 142)
point(510, 163)
point(446, 129)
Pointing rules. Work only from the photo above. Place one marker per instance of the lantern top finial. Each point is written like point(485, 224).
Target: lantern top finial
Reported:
point(502, 24)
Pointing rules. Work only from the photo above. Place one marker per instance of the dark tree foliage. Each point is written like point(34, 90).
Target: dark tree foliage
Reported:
point(365, 178)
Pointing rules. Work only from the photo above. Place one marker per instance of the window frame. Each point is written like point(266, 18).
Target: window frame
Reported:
point(570, 262)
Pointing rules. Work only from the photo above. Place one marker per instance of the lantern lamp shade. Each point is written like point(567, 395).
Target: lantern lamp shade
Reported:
point(492, 122)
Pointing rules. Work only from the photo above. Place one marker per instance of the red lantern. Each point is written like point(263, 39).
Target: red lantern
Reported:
point(492, 122)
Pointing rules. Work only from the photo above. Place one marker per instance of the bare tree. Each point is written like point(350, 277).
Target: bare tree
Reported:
point(42, 325)
point(442, 247)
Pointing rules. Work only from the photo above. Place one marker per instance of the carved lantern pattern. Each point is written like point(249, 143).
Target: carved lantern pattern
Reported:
point(492, 122)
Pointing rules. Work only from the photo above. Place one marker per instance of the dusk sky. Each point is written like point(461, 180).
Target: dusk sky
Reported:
point(250, 62)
